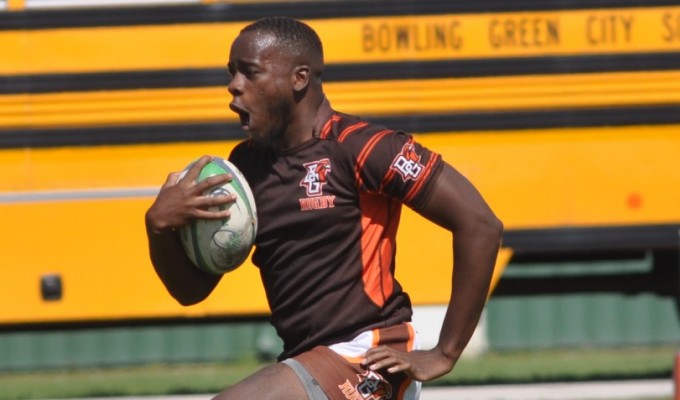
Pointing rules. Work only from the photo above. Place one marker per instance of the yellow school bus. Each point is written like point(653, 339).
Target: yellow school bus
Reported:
point(565, 116)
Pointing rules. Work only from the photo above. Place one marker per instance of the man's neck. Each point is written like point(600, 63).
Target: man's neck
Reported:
point(303, 123)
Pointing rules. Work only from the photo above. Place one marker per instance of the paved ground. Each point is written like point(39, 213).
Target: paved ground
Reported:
point(557, 391)
point(553, 391)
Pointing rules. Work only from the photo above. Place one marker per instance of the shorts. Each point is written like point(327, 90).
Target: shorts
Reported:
point(335, 371)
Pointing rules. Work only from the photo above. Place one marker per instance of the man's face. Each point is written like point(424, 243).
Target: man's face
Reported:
point(261, 86)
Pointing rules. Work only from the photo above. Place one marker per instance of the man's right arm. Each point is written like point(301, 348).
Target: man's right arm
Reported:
point(186, 283)
point(177, 203)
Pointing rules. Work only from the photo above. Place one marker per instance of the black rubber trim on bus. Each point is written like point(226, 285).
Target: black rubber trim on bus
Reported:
point(223, 12)
point(419, 123)
point(535, 119)
point(208, 77)
point(584, 239)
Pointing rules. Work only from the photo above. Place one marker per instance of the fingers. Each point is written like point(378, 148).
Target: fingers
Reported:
point(383, 357)
point(212, 182)
point(181, 200)
point(421, 365)
point(172, 179)
point(196, 168)
point(194, 172)
point(211, 214)
point(191, 175)
point(213, 203)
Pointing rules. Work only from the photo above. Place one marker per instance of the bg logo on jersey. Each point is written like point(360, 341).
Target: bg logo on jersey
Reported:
point(407, 163)
point(313, 182)
point(317, 176)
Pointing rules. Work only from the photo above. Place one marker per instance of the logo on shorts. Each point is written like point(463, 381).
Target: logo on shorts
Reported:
point(313, 182)
point(407, 163)
point(371, 386)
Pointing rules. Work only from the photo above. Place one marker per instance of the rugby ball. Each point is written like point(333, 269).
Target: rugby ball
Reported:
point(217, 246)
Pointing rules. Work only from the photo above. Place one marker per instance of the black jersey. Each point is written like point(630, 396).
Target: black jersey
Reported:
point(328, 213)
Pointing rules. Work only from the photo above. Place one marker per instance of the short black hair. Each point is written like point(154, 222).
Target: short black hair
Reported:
point(297, 37)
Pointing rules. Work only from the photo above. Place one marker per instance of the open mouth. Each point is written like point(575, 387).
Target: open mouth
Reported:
point(243, 115)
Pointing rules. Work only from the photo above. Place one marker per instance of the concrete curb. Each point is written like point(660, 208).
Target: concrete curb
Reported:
point(556, 391)
point(609, 390)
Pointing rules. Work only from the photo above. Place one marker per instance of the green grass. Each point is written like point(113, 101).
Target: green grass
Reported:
point(564, 366)
point(137, 380)
point(511, 367)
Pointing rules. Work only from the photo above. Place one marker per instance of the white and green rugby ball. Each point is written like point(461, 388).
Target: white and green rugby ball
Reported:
point(217, 246)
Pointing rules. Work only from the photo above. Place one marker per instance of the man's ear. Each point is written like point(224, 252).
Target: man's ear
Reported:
point(301, 75)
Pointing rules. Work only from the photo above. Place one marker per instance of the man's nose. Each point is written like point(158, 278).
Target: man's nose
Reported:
point(235, 85)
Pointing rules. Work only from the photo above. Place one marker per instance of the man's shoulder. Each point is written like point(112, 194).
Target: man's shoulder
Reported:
point(242, 152)
point(246, 146)
point(348, 128)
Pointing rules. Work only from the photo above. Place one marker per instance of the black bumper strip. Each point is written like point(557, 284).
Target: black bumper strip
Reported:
point(457, 122)
point(50, 83)
point(181, 14)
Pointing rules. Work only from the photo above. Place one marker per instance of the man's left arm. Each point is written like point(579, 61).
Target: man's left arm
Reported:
point(457, 206)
